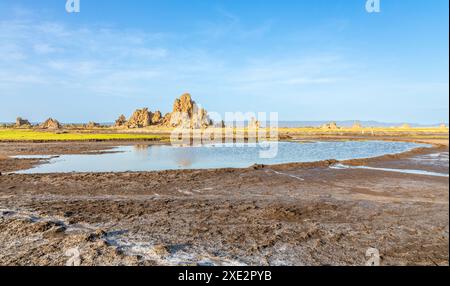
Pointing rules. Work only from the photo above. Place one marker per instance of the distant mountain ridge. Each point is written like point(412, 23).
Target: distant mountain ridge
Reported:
point(350, 123)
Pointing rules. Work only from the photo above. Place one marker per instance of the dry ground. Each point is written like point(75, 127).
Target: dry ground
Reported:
point(296, 214)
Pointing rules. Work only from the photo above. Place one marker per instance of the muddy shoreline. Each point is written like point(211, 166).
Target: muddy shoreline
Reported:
point(291, 214)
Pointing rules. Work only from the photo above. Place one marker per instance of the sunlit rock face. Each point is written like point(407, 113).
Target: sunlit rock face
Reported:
point(157, 118)
point(187, 114)
point(50, 124)
point(121, 121)
point(140, 118)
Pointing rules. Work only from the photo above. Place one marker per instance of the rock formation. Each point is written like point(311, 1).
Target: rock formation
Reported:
point(254, 124)
point(156, 118)
point(92, 125)
point(20, 122)
point(357, 126)
point(121, 121)
point(187, 114)
point(50, 124)
point(184, 104)
point(405, 126)
point(443, 126)
point(140, 118)
point(330, 126)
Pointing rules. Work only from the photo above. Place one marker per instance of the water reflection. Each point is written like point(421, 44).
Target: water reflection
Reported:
point(141, 150)
point(184, 159)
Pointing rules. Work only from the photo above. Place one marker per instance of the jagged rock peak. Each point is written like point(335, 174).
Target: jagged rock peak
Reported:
point(121, 121)
point(51, 124)
point(187, 114)
point(140, 118)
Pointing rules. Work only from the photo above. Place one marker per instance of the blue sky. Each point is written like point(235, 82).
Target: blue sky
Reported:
point(307, 60)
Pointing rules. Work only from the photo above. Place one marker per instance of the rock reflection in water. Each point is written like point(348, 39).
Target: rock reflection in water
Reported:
point(183, 159)
point(141, 149)
point(181, 156)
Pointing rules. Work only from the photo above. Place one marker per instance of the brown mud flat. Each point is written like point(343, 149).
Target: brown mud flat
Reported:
point(293, 214)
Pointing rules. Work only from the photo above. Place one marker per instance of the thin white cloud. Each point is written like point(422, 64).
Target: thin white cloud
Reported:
point(227, 25)
point(113, 62)
point(44, 49)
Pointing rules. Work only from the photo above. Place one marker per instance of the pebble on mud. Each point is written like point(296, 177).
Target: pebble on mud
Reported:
point(161, 250)
point(98, 234)
point(55, 231)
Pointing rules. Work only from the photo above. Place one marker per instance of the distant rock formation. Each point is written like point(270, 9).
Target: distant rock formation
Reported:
point(50, 124)
point(157, 118)
point(20, 122)
point(357, 126)
point(405, 126)
point(330, 126)
point(443, 126)
point(255, 124)
point(166, 119)
point(187, 114)
point(92, 125)
point(140, 118)
point(121, 121)
point(184, 104)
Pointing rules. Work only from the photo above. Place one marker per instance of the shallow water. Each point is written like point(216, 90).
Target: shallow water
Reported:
point(156, 158)
point(404, 171)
